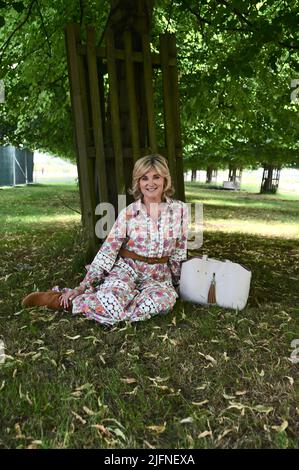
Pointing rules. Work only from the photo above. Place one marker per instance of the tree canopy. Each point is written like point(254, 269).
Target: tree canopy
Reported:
point(237, 61)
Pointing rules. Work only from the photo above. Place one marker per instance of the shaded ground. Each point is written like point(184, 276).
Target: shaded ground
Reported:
point(199, 377)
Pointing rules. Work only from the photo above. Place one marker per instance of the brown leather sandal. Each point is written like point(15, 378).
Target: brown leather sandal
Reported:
point(48, 299)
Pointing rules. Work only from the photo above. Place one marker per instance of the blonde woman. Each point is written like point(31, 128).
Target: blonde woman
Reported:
point(136, 272)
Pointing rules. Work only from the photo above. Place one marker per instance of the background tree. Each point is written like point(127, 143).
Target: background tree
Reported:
point(237, 60)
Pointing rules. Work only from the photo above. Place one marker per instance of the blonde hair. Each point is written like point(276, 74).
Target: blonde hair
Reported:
point(144, 165)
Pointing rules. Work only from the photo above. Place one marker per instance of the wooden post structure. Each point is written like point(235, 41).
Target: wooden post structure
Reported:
point(96, 115)
point(270, 180)
point(85, 176)
point(105, 83)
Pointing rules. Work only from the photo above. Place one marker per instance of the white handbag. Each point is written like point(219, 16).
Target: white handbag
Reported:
point(209, 281)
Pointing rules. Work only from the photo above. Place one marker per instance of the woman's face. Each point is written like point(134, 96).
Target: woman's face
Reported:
point(152, 186)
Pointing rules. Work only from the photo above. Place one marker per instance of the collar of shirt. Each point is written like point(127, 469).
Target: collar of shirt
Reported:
point(140, 207)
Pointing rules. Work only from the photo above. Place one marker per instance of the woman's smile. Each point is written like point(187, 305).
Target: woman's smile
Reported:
point(152, 185)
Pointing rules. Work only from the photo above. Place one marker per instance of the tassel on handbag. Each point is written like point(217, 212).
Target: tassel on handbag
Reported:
point(212, 291)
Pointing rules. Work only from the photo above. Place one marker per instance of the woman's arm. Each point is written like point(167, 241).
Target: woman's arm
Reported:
point(180, 252)
point(107, 254)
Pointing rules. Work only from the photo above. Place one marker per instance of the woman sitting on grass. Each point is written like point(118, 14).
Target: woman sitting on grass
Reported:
point(136, 272)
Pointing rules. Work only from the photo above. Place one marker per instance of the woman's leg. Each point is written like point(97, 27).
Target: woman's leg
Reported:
point(108, 305)
point(153, 299)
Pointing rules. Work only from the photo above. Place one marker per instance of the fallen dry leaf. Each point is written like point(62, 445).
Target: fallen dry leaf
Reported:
point(88, 411)
point(290, 379)
point(188, 420)
point(78, 417)
point(72, 337)
point(102, 429)
point(204, 434)
point(282, 427)
point(128, 380)
point(263, 408)
point(200, 403)
point(157, 429)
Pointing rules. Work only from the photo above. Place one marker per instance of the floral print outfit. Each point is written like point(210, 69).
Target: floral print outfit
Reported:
point(124, 289)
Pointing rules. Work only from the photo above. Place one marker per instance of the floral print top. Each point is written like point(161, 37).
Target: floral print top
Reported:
point(137, 231)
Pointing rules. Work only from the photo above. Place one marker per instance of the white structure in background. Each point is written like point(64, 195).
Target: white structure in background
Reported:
point(231, 185)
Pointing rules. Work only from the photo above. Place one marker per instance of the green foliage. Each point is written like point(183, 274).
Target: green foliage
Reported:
point(33, 65)
point(236, 63)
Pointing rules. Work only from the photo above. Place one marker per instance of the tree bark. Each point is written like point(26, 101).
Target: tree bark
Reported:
point(209, 174)
point(270, 179)
point(232, 173)
point(134, 16)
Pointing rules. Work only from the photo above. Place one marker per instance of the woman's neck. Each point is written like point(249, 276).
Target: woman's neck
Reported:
point(152, 207)
point(148, 202)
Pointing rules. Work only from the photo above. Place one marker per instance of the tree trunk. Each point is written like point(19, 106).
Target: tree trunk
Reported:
point(270, 179)
point(209, 174)
point(193, 175)
point(235, 175)
point(232, 173)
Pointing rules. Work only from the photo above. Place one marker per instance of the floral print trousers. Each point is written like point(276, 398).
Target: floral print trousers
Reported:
point(126, 296)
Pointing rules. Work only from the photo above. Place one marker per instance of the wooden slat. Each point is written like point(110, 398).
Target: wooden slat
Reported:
point(96, 115)
point(174, 85)
point(130, 82)
point(120, 55)
point(169, 127)
point(127, 152)
point(72, 37)
point(115, 120)
point(70, 50)
point(84, 87)
point(149, 94)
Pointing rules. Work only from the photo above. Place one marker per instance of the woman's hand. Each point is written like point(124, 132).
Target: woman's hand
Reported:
point(67, 297)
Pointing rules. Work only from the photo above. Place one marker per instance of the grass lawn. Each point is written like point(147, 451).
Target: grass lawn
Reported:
point(197, 378)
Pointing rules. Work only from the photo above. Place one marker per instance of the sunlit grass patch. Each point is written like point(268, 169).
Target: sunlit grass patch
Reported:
point(248, 213)
point(23, 221)
point(258, 227)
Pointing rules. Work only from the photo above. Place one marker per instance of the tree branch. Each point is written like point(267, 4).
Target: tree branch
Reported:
point(203, 20)
point(169, 15)
point(81, 11)
point(236, 12)
point(45, 30)
point(289, 46)
point(198, 16)
point(25, 56)
point(6, 44)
